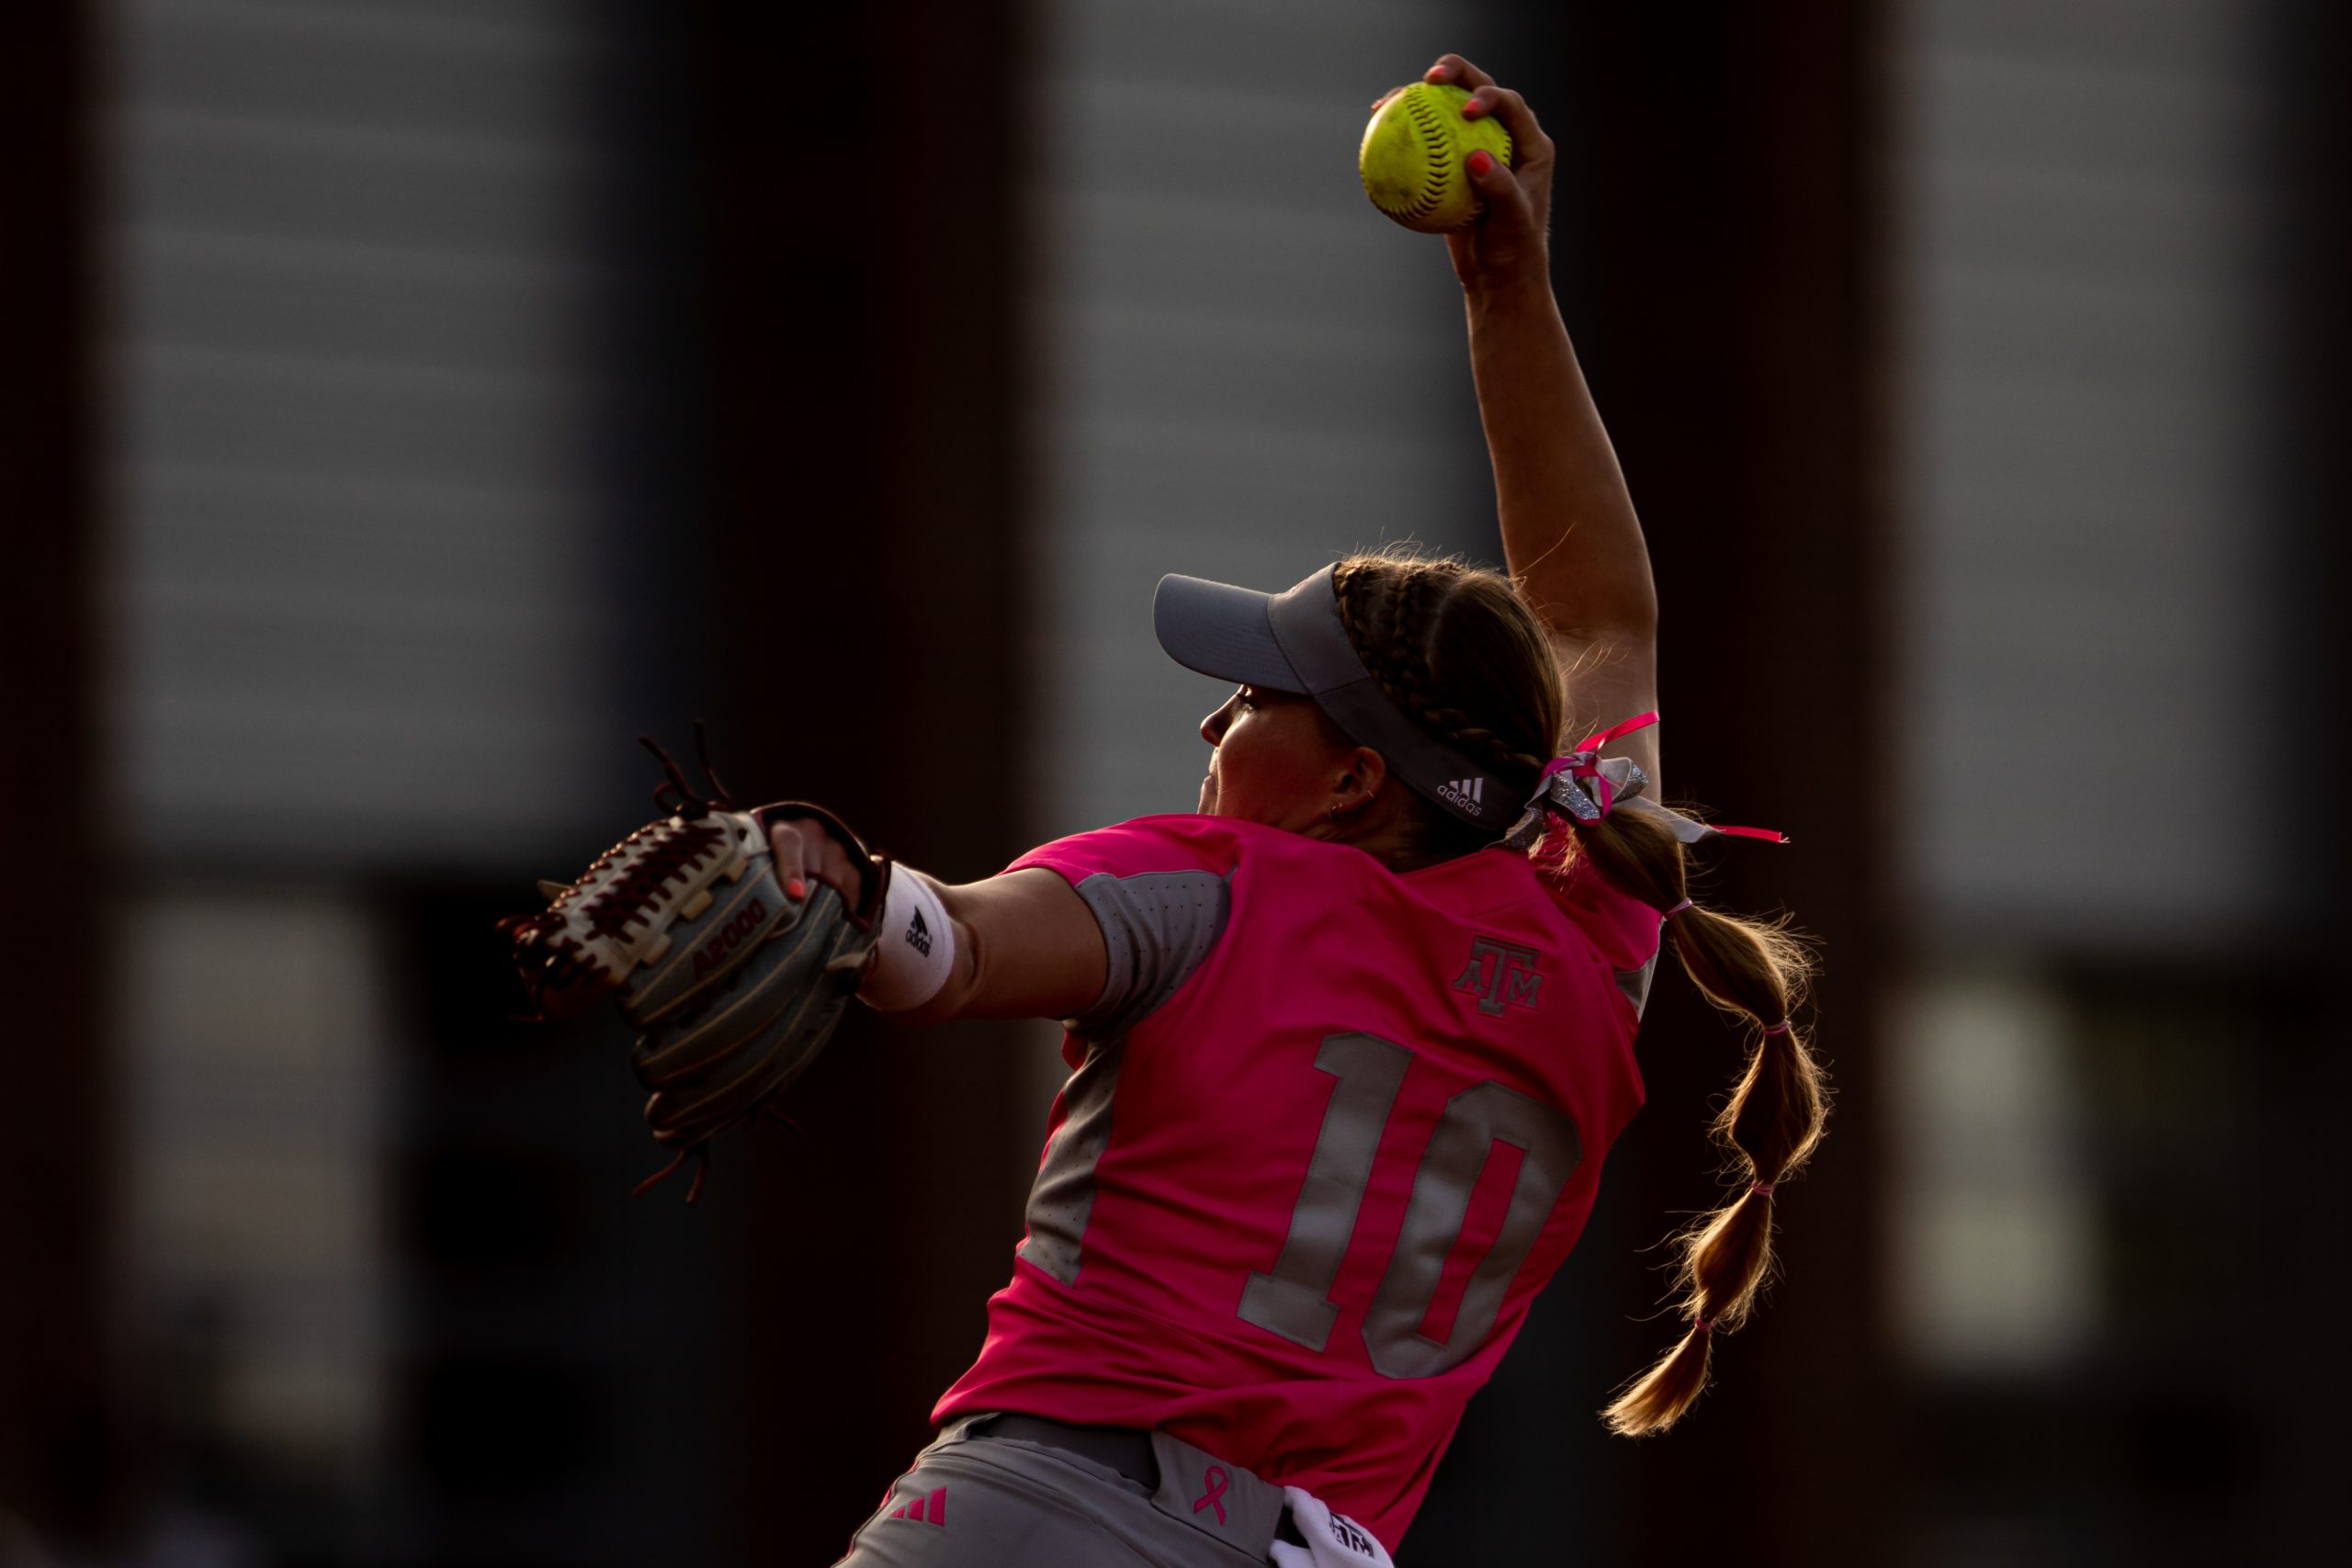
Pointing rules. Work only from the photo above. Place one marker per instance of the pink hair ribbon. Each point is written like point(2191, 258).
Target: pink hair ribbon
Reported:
point(1769, 835)
point(1586, 786)
point(1599, 789)
point(1639, 721)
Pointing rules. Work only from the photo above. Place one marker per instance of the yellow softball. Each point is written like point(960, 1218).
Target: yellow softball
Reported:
point(1412, 156)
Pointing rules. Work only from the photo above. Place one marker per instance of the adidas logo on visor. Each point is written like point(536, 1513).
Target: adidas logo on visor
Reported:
point(1470, 794)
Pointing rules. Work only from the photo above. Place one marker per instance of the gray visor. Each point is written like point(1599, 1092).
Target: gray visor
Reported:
point(1293, 641)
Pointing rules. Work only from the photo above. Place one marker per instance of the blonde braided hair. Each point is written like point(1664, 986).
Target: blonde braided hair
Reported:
point(1459, 651)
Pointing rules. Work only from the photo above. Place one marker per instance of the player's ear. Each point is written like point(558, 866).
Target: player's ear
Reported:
point(1367, 770)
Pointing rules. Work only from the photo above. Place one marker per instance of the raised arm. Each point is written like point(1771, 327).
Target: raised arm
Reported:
point(1569, 532)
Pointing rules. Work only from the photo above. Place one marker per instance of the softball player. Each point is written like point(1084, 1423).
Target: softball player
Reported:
point(1348, 1047)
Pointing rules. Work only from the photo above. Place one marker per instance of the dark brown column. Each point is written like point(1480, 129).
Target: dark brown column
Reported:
point(870, 377)
point(2305, 1068)
point(1724, 285)
point(58, 1462)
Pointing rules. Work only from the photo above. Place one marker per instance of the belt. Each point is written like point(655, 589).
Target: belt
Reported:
point(1127, 1450)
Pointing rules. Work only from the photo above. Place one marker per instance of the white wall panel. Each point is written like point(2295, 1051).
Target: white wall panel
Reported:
point(255, 1219)
point(1248, 371)
point(371, 426)
point(2089, 565)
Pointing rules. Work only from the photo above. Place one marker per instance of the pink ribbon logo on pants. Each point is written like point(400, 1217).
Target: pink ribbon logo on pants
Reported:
point(1217, 1481)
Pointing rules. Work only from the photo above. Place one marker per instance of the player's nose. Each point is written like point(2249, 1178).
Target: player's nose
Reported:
point(1213, 727)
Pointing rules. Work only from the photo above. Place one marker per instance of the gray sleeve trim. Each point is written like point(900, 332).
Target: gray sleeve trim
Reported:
point(1157, 929)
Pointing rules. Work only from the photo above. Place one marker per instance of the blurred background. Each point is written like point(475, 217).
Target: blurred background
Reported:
point(409, 401)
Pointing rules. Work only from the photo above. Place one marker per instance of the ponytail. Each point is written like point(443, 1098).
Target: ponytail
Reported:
point(1769, 1127)
point(1460, 652)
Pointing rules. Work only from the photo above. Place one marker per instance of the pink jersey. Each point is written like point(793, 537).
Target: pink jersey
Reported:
point(1303, 1187)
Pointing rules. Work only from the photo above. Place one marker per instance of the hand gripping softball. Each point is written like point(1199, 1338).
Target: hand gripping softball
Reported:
point(735, 983)
point(1413, 154)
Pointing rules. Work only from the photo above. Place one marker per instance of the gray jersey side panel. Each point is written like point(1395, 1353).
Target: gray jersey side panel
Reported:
point(1157, 929)
point(1062, 1197)
point(1636, 983)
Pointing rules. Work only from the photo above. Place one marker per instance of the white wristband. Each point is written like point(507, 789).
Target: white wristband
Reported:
point(917, 952)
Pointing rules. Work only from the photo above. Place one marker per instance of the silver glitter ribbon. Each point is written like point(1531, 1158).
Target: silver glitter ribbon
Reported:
point(1569, 791)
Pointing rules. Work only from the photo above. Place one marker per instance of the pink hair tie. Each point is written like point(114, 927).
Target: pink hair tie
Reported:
point(1763, 1187)
point(1780, 1028)
point(1677, 909)
point(1702, 1325)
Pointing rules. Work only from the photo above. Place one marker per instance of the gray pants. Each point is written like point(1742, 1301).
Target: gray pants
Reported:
point(987, 1501)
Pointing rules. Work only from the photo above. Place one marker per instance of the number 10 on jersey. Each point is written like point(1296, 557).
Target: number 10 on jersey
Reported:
point(1294, 1299)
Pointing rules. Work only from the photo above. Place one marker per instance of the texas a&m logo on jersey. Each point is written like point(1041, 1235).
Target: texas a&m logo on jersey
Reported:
point(1500, 974)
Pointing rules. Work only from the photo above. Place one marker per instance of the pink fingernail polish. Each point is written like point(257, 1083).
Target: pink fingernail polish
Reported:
point(1480, 162)
point(796, 889)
